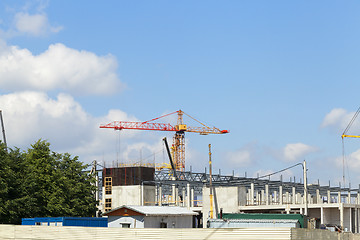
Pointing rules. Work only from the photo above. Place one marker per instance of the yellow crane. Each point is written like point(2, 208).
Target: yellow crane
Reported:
point(180, 128)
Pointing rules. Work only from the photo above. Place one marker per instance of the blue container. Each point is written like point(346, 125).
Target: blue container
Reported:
point(66, 221)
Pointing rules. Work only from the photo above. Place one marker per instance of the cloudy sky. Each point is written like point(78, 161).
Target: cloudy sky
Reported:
point(282, 76)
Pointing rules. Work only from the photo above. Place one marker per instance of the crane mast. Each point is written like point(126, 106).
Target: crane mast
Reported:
point(179, 143)
point(178, 148)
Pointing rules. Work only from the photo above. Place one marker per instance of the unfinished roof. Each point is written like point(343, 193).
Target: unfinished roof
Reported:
point(152, 211)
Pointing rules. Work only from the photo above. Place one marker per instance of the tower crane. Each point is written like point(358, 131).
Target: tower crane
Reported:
point(179, 138)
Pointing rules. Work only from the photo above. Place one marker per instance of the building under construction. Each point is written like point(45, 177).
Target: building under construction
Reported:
point(325, 206)
point(210, 195)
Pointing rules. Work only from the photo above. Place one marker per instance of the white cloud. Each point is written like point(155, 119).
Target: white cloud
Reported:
point(59, 67)
point(338, 119)
point(35, 25)
point(296, 151)
point(33, 115)
point(239, 158)
point(352, 161)
point(30, 116)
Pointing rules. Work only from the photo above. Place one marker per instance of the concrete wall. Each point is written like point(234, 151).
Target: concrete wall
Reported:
point(18, 232)
point(12, 232)
point(131, 195)
point(300, 234)
point(149, 195)
point(332, 216)
point(227, 198)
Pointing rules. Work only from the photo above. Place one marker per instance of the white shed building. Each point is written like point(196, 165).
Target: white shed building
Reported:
point(150, 217)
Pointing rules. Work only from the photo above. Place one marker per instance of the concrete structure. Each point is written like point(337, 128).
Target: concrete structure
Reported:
point(325, 205)
point(128, 195)
point(227, 198)
point(150, 217)
point(125, 186)
point(333, 209)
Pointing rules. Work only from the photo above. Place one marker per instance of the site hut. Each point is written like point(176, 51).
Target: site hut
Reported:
point(150, 217)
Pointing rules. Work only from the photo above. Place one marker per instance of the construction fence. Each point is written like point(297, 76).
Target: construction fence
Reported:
point(18, 232)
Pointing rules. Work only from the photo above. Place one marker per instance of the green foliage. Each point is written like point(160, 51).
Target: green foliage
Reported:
point(42, 183)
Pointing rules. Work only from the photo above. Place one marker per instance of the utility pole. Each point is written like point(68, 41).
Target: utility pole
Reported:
point(3, 129)
point(211, 192)
point(305, 188)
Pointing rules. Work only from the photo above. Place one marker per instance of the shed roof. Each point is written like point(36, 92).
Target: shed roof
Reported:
point(153, 211)
point(256, 220)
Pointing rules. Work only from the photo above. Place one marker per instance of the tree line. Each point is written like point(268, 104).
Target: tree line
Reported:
point(42, 183)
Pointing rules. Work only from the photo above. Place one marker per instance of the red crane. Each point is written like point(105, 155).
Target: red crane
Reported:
point(179, 138)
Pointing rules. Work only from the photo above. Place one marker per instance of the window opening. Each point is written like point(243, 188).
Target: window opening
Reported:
point(108, 185)
point(108, 206)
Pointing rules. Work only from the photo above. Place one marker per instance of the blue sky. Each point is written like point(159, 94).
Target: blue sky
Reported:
point(282, 76)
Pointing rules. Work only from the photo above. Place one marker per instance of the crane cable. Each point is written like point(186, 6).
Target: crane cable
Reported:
point(343, 144)
point(350, 123)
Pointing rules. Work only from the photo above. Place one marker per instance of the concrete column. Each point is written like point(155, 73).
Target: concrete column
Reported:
point(275, 197)
point(252, 194)
point(176, 196)
point(349, 197)
point(356, 221)
point(248, 197)
point(298, 198)
point(173, 194)
point(262, 197)
point(142, 195)
point(287, 209)
point(341, 208)
point(192, 197)
point(188, 196)
point(287, 198)
point(293, 195)
point(318, 197)
point(267, 194)
point(328, 196)
point(160, 195)
point(351, 220)
point(322, 215)
point(358, 198)
point(280, 195)
point(339, 197)
point(183, 197)
point(257, 198)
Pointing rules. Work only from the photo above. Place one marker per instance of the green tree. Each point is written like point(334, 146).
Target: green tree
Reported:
point(42, 183)
point(12, 197)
